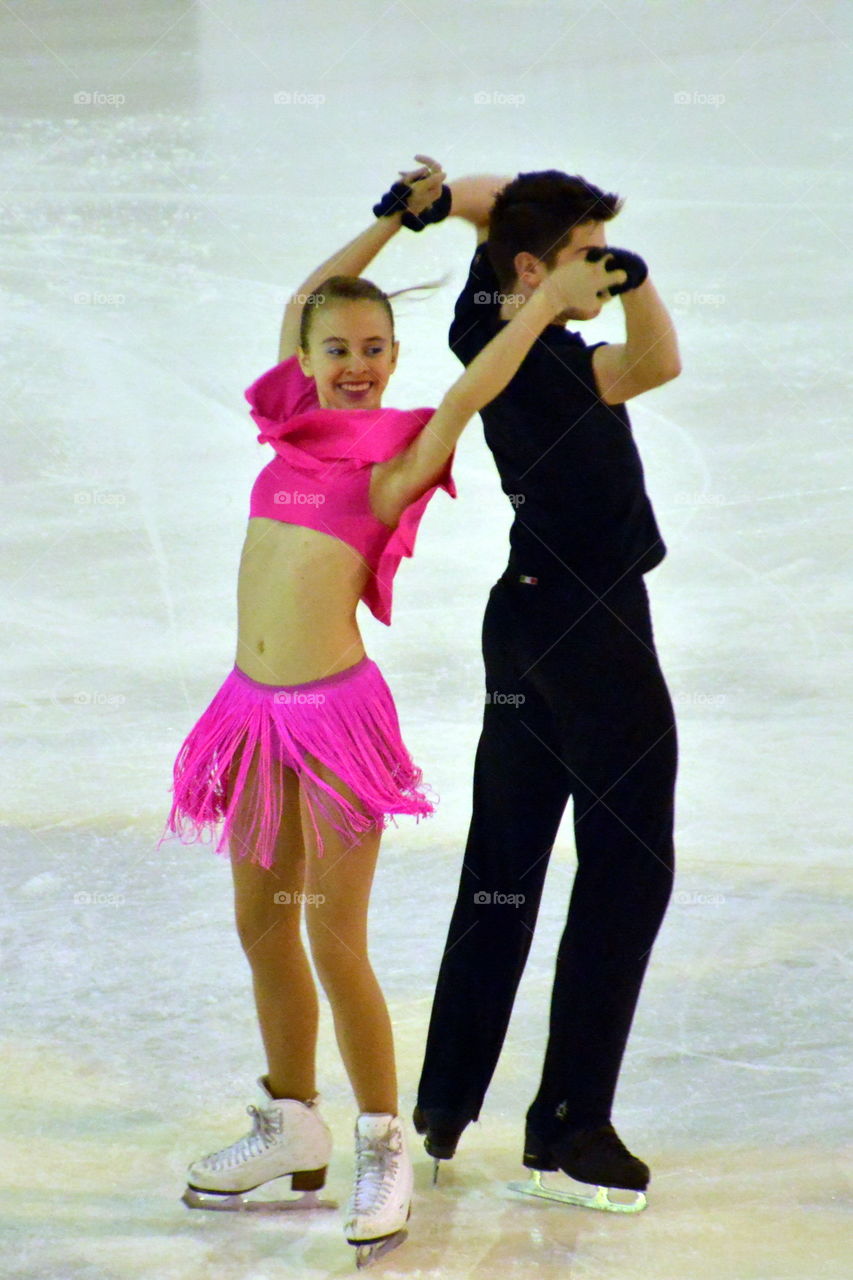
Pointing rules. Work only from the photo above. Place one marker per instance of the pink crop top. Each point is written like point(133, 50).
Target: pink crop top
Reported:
point(320, 477)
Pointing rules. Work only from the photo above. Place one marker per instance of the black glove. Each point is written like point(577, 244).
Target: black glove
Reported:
point(395, 200)
point(622, 260)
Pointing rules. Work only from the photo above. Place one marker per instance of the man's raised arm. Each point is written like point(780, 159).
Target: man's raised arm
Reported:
point(472, 199)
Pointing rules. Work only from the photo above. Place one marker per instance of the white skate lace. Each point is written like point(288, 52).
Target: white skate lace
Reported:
point(266, 1126)
point(375, 1171)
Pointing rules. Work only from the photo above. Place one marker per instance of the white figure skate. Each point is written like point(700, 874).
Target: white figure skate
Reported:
point(288, 1139)
point(380, 1204)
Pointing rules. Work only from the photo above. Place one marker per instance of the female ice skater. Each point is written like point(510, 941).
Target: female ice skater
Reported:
point(298, 761)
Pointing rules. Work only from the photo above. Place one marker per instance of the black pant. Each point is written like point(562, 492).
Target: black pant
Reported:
point(576, 704)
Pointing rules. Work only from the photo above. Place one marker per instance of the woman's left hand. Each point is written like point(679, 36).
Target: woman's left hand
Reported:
point(426, 183)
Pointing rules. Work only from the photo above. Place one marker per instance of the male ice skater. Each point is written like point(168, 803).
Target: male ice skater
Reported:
point(576, 704)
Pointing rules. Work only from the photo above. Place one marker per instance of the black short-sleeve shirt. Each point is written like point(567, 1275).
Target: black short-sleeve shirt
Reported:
point(567, 461)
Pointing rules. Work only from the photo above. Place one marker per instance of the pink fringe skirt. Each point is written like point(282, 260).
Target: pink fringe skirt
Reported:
point(347, 721)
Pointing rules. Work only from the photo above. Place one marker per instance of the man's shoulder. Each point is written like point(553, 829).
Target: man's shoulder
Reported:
point(476, 313)
point(571, 338)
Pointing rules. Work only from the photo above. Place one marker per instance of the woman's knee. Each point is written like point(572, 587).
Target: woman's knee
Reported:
point(338, 948)
point(262, 928)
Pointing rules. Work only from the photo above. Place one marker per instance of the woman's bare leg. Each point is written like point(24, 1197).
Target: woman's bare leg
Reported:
point(267, 907)
point(337, 895)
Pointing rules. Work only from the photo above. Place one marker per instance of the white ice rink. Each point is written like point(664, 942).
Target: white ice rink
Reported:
point(158, 205)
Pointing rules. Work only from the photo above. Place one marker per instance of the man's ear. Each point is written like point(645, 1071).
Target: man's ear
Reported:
point(528, 269)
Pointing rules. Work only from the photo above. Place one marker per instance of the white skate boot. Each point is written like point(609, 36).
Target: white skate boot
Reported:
point(380, 1204)
point(288, 1138)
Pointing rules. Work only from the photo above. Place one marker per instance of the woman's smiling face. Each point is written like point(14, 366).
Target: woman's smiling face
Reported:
point(351, 354)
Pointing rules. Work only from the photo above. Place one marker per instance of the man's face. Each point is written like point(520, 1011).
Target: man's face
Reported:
point(533, 270)
point(586, 236)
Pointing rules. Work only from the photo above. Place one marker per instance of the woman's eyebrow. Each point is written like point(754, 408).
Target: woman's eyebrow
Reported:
point(377, 337)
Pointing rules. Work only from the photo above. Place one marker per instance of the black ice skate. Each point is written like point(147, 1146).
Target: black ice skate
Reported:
point(537, 1152)
point(596, 1157)
point(441, 1131)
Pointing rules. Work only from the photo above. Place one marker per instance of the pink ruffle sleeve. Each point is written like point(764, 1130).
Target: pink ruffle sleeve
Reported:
point(279, 394)
point(283, 402)
point(378, 593)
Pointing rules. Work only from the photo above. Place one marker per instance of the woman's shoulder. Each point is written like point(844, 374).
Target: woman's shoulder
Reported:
point(281, 392)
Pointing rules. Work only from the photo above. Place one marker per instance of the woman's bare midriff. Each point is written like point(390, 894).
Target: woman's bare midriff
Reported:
point(296, 600)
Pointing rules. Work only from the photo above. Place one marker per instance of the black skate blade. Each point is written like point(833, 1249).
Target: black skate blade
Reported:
point(238, 1202)
point(609, 1199)
point(369, 1251)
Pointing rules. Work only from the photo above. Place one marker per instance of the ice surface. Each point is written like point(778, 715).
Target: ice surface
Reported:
point(149, 245)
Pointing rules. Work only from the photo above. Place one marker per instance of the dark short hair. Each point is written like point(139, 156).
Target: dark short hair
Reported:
point(537, 212)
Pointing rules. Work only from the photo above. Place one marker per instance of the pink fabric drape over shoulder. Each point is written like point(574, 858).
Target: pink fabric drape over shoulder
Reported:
point(323, 466)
